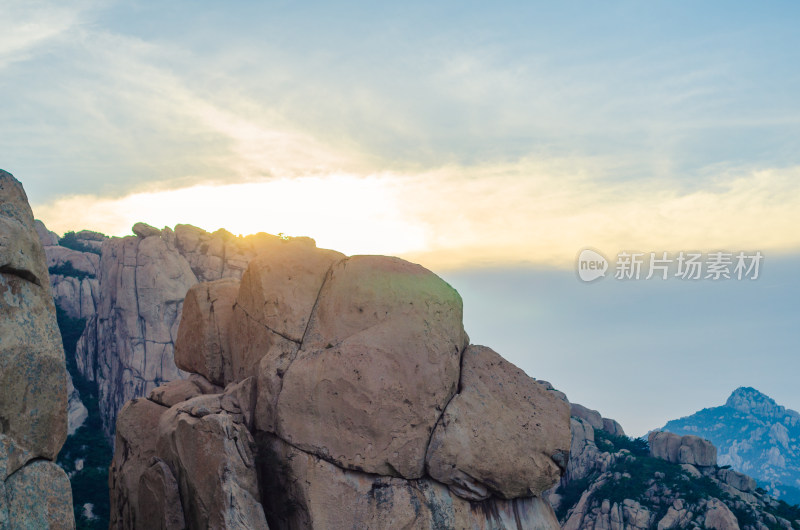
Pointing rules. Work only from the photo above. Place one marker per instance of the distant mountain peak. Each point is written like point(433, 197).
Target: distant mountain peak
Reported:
point(749, 400)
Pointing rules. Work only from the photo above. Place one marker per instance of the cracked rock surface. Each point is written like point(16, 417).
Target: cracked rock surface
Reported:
point(34, 491)
point(336, 392)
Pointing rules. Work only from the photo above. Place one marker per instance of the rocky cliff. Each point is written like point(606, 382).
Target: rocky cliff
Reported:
point(754, 435)
point(34, 491)
point(668, 481)
point(130, 291)
point(335, 392)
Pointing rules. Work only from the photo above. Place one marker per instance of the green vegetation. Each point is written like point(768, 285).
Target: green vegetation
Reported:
point(90, 484)
point(611, 443)
point(70, 240)
point(66, 269)
point(571, 494)
point(655, 483)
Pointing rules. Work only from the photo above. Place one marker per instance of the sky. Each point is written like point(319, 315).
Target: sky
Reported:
point(490, 142)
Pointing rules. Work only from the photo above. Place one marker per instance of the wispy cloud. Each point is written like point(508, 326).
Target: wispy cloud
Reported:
point(27, 25)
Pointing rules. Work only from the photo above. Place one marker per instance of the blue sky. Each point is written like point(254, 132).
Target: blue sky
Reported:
point(474, 138)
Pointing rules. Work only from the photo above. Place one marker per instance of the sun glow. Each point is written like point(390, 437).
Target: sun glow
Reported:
point(350, 214)
point(455, 217)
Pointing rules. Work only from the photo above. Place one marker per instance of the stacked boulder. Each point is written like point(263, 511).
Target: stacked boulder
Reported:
point(335, 392)
point(690, 450)
point(34, 491)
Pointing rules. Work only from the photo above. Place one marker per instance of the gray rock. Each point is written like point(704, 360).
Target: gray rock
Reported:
point(39, 496)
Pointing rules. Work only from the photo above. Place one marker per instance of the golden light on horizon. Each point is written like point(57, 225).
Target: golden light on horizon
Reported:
point(350, 214)
point(454, 218)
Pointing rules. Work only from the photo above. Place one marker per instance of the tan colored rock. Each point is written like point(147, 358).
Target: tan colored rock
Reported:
point(241, 398)
point(697, 451)
point(85, 262)
point(159, 499)
point(134, 449)
point(273, 307)
point(502, 434)
point(128, 344)
point(47, 237)
point(203, 344)
point(205, 386)
point(379, 362)
point(174, 392)
point(720, 517)
point(591, 416)
point(212, 457)
point(33, 376)
point(145, 230)
point(254, 341)
point(278, 292)
point(677, 449)
point(281, 286)
point(217, 255)
point(308, 492)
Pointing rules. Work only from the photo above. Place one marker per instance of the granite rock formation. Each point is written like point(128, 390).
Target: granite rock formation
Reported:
point(132, 297)
point(334, 392)
point(34, 491)
point(615, 482)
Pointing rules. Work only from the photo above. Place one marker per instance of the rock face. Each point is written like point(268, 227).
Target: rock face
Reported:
point(133, 299)
point(498, 410)
point(619, 483)
point(34, 491)
point(754, 435)
point(687, 449)
point(351, 400)
point(378, 364)
point(593, 418)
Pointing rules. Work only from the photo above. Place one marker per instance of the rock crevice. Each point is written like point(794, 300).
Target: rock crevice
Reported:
point(351, 399)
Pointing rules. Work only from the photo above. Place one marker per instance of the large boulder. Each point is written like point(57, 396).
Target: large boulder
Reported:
point(39, 495)
point(336, 372)
point(592, 417)
point(34, 492)
point(305, 491)
point(209, 451)
point(678, 449)
point(378, 365)
point(203, 344)
point(134, 450)
point(501, 434)
point(720, 517)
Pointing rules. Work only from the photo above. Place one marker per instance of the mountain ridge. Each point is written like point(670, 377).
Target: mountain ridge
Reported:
point(754, 435)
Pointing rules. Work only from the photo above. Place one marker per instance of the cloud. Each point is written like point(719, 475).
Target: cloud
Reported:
point(28, 25)
point(455, 217)
point(538, 213)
